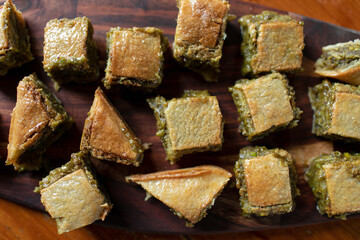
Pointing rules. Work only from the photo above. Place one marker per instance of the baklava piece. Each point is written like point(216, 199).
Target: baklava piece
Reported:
point(189, 192)
point(72, 195)
point(266, 179)
point(335, 183)
point(136, 57)
point(14, 38)
point(265, 105)
point(107, 136)
point(70, 53)
point(340, 61)
point(336, 111)
point(37, 120)
point(193, 123)
point(200, 35)
point(271, 42)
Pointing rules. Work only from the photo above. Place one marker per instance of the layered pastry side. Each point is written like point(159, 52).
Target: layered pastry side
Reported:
point(189, 192)
point(14, 38)
point(265, 105)
point(70, 52)
point(271, 42)
point(136, 57)
point(193, 123)
point(37, 120)
point(200, 35)
point(72, 195)
point(336, 111)
point(266, 179)
point(107, 136)
point(335, 182)
point(340, 61)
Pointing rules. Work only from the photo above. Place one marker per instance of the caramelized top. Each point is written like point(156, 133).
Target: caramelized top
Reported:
point(267, 181)
point(188, 191)
point(65, 38)
point(194, 122)
point(109, 133)
point(200, 21)
point(28, 119)
point(135, 54)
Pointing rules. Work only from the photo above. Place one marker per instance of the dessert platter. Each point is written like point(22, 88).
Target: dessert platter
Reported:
point(136, 136)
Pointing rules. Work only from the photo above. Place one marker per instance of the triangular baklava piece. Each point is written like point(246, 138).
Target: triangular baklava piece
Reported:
point(38, 119)
point(189, 192)
point(107, 136)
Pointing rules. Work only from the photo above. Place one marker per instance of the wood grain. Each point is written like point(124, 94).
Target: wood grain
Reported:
point(77, 99)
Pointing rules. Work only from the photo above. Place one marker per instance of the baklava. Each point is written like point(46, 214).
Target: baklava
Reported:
point(193, 123)
point(37, 120)
point(266, 179)
point(107, 136)
point(265, 104)
point(72, 195)
point(200, 35)
point(335, 183)
point(271, 42)
point(189, 192)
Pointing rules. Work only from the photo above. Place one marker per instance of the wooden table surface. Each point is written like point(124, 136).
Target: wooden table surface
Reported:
point(18, 222)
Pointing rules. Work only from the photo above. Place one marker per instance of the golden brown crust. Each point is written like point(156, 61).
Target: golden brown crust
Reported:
point(194, 122)
point(71, 43)
point(269, 103)
point(346, 115)
point(106, 134)
point(279, 47)
point(135, 54)
point(349, 75)
point(267, 181)
point(74, 202)
point(189, 192)
point(343, 188)
point(199, 22)
point(29, 118)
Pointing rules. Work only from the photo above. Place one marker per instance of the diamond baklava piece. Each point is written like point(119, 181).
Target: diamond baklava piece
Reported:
point(193, 123)
point(70, 52)
point(335, 182)
point(136, 57)
point(37, 120)
point(72, 195)
point(265, 105)
point(336, 110)
point(14, 38)
point(266, 179)
point(107, 136)
point(271, 42)
point(200, 35)
point(189, 192)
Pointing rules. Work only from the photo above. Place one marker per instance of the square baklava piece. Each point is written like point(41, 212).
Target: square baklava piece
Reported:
point(336, 110)
point(14, 38)
point(72, 195)
point(38, 119)
point(340, 61)
point(107, 136)
point(193, 123)
point(200, 35)
point(189, 192)
point(136, 57)
point(271, 42)
point(266, 179)
point(335, 183)
point(70, 52)
point(265, 105)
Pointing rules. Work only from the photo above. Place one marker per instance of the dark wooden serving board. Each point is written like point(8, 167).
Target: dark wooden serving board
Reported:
point(130, 210)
